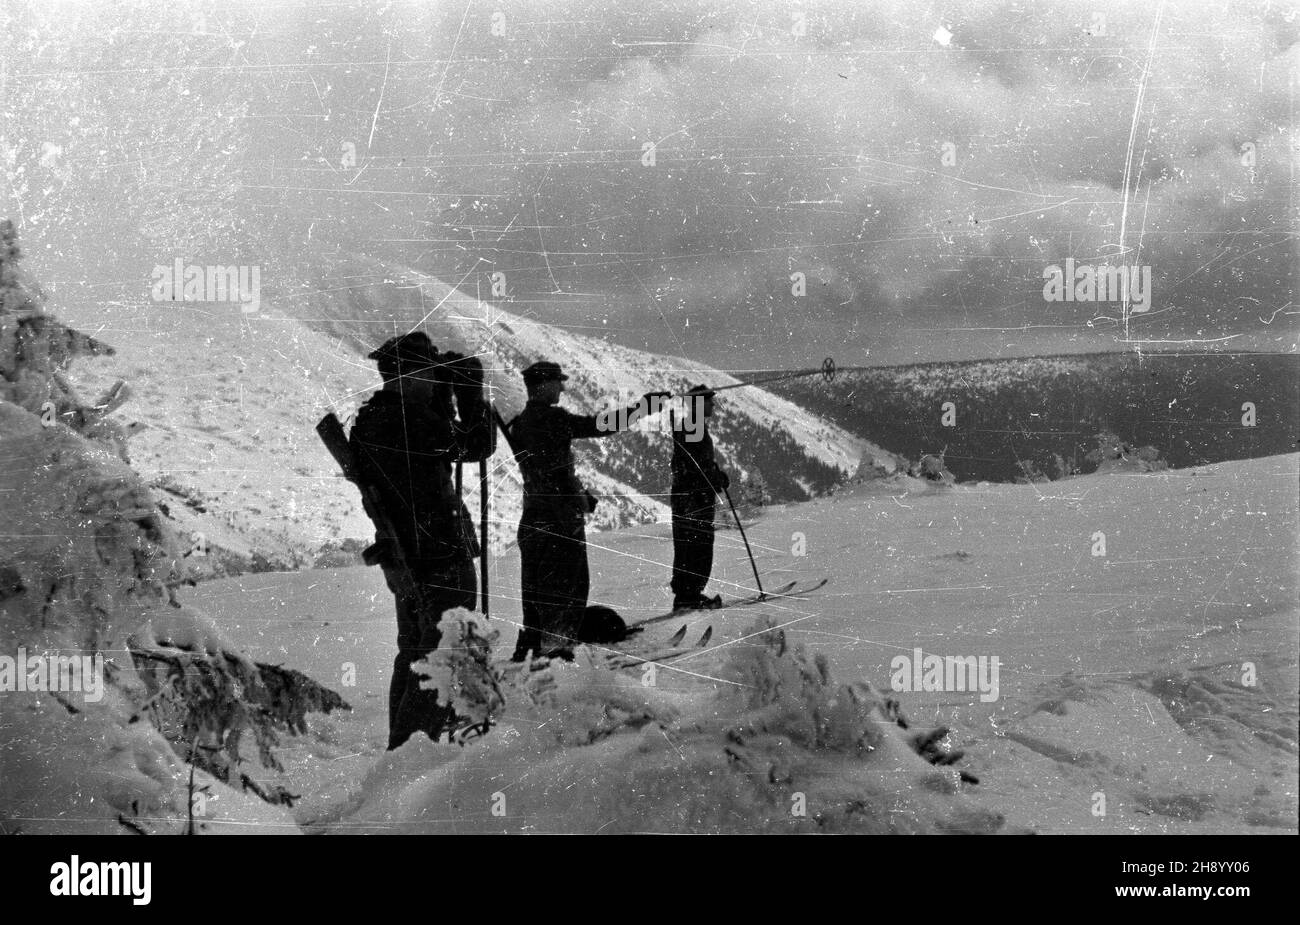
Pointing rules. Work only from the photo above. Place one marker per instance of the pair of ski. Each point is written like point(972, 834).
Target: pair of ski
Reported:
point(673, 648)
point(789, 589)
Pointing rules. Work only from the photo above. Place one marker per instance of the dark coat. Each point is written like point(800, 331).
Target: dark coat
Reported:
point(406, 451)
point(540, 438)
point(695, 468)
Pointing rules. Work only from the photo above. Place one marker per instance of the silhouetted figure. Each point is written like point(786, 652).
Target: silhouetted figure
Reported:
point(697, 479)
point(406, 439)
point(554, 578)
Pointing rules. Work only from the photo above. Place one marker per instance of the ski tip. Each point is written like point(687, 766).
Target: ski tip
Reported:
point(704, 640)
point(678, 636)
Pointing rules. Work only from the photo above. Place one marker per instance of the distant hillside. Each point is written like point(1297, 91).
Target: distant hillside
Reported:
point(797, 454)
point(230, 402)
point(1044, 413)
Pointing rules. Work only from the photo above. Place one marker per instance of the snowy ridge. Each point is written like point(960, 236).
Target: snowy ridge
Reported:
point(230, 402)
point(599, 370)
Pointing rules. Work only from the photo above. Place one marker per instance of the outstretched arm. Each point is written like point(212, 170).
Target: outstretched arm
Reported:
point(587, 426)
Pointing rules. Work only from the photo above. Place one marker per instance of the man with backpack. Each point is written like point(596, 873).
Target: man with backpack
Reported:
point(406, 438)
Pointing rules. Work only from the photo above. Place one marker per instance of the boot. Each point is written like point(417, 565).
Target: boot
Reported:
point(528, 640)
point(697, 602)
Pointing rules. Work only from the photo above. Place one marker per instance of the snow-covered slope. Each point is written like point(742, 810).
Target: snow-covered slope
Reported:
point(1161, 675)
point(230, 403)
point(231, 400)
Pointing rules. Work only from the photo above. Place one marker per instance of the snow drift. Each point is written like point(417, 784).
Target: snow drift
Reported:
point(778, 747)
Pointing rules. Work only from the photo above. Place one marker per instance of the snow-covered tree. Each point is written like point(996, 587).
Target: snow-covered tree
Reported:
point(90, 568)
point(35, 351)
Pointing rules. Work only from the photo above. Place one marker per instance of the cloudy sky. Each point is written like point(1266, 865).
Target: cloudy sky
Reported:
point(920, 164)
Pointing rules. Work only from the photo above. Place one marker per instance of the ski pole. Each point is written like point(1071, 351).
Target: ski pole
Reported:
point(761, 593)
point(483, 530)
point(827, 371)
